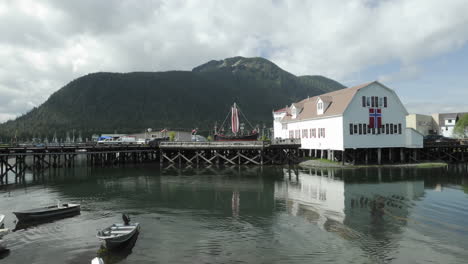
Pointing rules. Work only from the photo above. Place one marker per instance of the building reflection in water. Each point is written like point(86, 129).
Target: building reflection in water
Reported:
point(371, 214)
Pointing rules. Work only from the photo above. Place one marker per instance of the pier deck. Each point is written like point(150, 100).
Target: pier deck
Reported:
point(17, 160)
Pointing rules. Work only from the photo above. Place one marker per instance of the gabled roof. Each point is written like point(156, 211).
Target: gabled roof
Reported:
point(339, 99)
point(325, 98)
point(282, 110)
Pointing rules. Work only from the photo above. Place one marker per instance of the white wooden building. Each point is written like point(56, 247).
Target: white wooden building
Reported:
point(368, 116)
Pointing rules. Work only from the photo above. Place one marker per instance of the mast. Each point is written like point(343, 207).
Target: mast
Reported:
point(234, 119)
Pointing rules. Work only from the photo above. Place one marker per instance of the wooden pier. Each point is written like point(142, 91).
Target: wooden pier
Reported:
point(451, 152)
point(17, 160)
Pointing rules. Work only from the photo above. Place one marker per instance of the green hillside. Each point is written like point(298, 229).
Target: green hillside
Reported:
point(130, 102)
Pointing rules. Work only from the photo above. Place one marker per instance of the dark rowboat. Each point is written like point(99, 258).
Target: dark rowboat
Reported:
point(54, 211)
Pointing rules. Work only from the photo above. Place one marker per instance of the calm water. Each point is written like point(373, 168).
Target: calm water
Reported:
point(246, 215)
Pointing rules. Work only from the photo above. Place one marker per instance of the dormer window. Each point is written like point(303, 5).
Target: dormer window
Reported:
point(320, 106)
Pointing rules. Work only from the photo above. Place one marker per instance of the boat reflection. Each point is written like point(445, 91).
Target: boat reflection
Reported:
point(117, 254)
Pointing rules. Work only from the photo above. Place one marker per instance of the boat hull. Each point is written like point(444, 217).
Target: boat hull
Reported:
point(118, 241)
point(251, 137)
point(2, 218)
point(47, 213)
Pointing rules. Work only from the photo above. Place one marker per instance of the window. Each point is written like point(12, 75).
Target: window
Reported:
point(399, 128)
point(315, 132)
point(355, 129)
point(387, 128)
point(320, 106)
point(363, 101)
point(291, 134)
point(360, 129)
point(380, 102)
point(391, 129)
point(311, 132)
point(395, 128)
point(373, 131)
point(385, 101)
point(368, 101)
point(372, 101)
point(350, 129)
point(364, 129)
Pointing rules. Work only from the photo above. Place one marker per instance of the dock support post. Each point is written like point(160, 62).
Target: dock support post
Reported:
point(343, 156)
point(379, 156)
point(367, 156)
point(402, 155)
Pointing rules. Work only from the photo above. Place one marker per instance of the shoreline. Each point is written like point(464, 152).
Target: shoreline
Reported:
point(323, 163)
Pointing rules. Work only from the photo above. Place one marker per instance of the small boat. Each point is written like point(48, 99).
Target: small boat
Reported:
point(2, 217)
point(3, 232)
point(48, 212)
point(237, 134)
point(97, 260)
point(117, 234)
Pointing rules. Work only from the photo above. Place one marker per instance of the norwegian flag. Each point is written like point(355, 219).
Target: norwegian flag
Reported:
point(375, 117)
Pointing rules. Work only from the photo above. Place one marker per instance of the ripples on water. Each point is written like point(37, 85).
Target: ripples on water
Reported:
point(246, 215)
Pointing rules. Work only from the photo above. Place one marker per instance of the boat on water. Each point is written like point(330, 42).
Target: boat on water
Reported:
point(3, 232)
point(97, 260)
point(49, 212)
point(2, 218)
point(237, 133)
point(118, 235)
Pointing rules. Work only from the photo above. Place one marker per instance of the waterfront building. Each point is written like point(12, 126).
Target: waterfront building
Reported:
point(368, 116)
point(424, 124)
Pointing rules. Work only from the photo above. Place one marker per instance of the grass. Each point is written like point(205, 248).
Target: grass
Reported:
point(431, 165)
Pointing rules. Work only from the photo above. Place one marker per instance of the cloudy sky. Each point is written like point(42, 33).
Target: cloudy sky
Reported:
point(417, 47)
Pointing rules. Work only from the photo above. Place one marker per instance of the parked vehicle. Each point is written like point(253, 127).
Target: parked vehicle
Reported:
point(119, 140)
point(155, 141)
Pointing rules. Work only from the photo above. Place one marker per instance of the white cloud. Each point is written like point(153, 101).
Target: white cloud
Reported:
point(431, 108)
point(46, 44)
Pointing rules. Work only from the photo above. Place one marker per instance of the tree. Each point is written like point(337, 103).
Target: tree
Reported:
point(172, 135)
point(461, 127)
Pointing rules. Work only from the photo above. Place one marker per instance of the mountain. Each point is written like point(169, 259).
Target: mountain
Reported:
point(131, 102)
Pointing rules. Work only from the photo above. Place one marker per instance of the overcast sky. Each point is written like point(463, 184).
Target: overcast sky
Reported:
point(417, 47)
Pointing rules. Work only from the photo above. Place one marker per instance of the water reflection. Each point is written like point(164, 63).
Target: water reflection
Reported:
point(116, 255)
point(248, 214)
point(370, 213)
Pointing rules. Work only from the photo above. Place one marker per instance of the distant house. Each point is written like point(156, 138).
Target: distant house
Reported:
point(446, 123)
point(368, 116)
